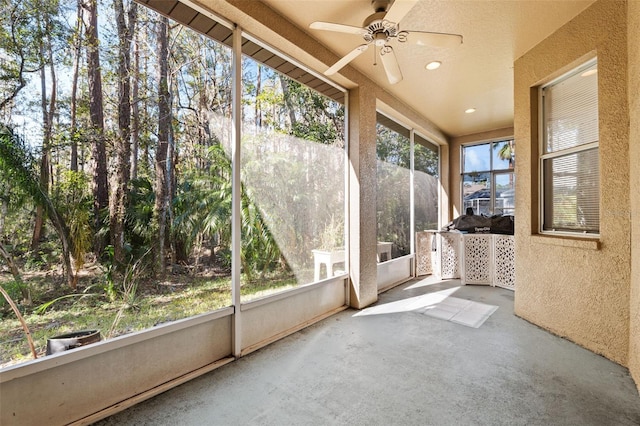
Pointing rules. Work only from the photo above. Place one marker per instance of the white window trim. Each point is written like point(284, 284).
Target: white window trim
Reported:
point(492, 172)
point(544, 156)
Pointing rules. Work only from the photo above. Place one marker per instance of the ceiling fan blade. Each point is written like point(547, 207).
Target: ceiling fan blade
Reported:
point(399, 9)
point(346, 59)
point(329, 26)
point(390, 64)
point(423, 38)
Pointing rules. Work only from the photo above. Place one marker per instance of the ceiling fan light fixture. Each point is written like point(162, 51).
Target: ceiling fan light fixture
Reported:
point(433, 65)
point(381, 29)
point(470, 110)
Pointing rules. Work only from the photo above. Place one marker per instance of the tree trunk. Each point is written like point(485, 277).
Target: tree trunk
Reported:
point(4, 253)
point(164, 124)
point(54, 216)
point(204, 133)
point(13, 267)
point(5, 190)
point(172, 158)
point(44, 160)
point(135, 109)
point(63, 233)
point(258, 109)
point(287, 100)
point(117, 204)
point(74, 89)
point(48, 110)
point(98, 150)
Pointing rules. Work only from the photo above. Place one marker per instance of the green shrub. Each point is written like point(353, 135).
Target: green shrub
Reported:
point(16, 290)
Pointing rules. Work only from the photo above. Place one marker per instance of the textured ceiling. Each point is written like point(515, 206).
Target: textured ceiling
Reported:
point(477, 74)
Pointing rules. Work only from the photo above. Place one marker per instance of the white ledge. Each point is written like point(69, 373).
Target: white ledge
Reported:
point(564, 241)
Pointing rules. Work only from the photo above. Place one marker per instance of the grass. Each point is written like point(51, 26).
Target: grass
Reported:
point(89, 308)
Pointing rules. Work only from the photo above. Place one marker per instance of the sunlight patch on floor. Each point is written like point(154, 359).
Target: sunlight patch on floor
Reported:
point(439, 304)
point(409, 304)
point(425, 282)
point(461, 311)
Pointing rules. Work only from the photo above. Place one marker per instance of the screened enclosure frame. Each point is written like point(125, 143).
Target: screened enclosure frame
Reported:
point(414, 138)
point(243, 44)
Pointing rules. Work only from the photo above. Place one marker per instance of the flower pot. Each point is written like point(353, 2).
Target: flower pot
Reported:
point(74, 340)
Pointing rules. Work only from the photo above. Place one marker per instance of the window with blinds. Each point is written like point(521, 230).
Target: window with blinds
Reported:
point(570, 160)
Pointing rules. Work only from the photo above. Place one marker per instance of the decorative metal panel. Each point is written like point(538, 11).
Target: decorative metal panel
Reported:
point(478, 259)
point(424, 252)
point(504, 270)
point(449, 255)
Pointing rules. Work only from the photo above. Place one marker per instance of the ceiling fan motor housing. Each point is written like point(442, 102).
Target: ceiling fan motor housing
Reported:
point(379, 29)
point(380, 5)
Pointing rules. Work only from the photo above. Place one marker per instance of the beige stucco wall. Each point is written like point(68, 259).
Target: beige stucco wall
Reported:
point(363, 186)
point(577, 288)
point(634, 161)
point(455, 144)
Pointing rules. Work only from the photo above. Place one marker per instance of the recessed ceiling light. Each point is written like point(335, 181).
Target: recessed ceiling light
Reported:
point(589, 72)
point(470, 110)
point(433, 65)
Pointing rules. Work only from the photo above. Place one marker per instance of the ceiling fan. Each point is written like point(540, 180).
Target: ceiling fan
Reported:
point(380, 29)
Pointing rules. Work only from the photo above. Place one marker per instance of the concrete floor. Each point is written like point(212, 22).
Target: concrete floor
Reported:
point(406, 368)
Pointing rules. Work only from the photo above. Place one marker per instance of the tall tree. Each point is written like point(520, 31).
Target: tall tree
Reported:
point(257, 107)
point(164, 125)
point(77, 53)
point(284, 83)
point(48, 110)
point(126, 22)
point(96, 113)
point(18, 43)
point(135, 107)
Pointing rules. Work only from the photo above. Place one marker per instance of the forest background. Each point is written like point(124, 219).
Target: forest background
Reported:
point(116, 180)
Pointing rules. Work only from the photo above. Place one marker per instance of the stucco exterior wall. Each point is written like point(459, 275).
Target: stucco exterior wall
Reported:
point(634, 160)
point(578, 288)
point(455, 208)
point(362, 183)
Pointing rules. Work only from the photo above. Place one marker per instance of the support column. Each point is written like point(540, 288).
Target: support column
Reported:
point(447, 205)
point(633, 90)
point(362, 197)
point(236, 215)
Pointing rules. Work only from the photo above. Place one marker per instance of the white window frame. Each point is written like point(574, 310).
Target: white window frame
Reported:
point(492, 172)
point(542, 136)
